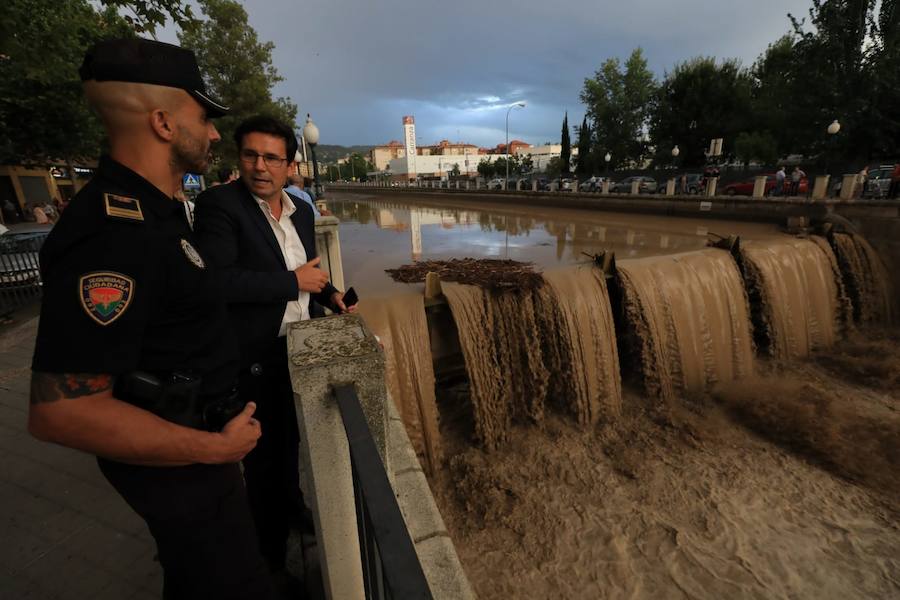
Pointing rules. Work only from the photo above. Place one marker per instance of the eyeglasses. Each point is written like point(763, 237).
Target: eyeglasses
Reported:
point(250, 157)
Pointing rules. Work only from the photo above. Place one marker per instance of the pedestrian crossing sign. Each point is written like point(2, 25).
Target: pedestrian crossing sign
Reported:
point(191, 182)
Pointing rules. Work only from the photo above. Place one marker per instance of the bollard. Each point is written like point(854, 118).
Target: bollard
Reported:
point(670, 187)
point(468, 183)
point(635, 187)
point(457, 185)
point(848, 186)
point(759, 186)
point(711, 184)
point(604, 189)
point(534, 185)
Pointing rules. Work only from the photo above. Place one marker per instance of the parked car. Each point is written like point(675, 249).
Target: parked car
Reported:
point(594, 184)
point(745, 186)
point(879, 181)
point(565, 185)
point(695, 183)
point(495, 184)
point(528, 183)
point(647, 185)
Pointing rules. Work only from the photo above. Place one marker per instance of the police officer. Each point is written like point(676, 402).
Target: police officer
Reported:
point(134, 361)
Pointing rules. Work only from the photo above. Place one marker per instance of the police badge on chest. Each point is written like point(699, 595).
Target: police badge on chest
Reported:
point(192, 254)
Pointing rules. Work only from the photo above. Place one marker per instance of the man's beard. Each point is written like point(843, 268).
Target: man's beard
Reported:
point(189, 154)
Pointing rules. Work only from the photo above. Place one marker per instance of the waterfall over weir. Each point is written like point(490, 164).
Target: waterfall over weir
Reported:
point(866, 278)
point(523, 349)
point(399, 322)
point(797, 293)
point(685, 323)
point(690, 320)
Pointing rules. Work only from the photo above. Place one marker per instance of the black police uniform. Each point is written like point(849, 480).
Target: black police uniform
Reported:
point(125, 291)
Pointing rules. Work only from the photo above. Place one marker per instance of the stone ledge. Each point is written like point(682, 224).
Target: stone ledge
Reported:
point(443, 570)
point(417, 505)
point(426, 527)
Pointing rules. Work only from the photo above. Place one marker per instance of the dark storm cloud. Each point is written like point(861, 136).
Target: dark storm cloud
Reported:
point(359, 66)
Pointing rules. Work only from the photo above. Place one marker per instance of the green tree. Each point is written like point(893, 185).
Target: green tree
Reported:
point(584, 166)
point(357, 166)
point(554, 167)
point(760, 147)
point(486, 168)
point(43, 114)
point(526, 164)
point(777, 82)
point(700, 100)
point(237, 68)
point(566, 153)
point(885, 73)
point(618, 104)
point(832, 58)
point(454, 172)
point(147, 15)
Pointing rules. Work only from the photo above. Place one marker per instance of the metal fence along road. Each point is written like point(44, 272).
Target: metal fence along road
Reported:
point(20, 273)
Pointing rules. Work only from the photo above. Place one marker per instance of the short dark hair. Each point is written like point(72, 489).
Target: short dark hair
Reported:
point(225, 173)
point(271, 126)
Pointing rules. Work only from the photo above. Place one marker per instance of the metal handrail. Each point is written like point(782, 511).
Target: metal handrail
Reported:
point(391, 567)
point(20, 273)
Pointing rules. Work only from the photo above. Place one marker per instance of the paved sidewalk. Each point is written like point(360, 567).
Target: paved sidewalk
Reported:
point(64, 532)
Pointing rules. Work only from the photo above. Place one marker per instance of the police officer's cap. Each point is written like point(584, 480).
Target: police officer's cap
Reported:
point(137, 60)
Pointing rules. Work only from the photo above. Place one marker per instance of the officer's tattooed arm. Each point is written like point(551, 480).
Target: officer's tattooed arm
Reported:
point(50, 387)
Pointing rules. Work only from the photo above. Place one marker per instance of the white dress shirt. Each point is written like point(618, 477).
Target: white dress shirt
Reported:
point(293, 252)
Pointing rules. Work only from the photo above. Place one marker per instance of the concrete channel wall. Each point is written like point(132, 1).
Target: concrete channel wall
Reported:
point(877, 220)
point(339, 350)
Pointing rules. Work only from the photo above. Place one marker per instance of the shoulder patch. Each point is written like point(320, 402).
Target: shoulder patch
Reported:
point(123, 207)
point(192, 254)
point(105, 295)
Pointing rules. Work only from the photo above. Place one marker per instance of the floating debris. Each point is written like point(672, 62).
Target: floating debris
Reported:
point(486, 273)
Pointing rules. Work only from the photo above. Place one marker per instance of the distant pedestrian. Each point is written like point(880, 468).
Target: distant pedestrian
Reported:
point(779, 181)
point(797, 175)
point(40, 217)
point(894, 190)
point(862, 180)
point(309, 188)
point(294, 188)
point(10, 215)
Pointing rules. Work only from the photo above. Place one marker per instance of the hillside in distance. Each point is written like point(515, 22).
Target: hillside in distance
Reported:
point(329, 153)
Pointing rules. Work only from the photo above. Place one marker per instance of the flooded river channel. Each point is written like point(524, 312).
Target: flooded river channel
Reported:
point(381, 232)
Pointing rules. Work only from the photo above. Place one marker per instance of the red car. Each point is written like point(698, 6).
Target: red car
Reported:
point(745, 187)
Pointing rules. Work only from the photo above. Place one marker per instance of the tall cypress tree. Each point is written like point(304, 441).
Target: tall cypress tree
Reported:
point(584, 150)
point(566, 154)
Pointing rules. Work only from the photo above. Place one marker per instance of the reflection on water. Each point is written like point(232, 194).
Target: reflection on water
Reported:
point(380, 233)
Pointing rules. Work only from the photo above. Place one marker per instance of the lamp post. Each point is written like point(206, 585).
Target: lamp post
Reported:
point(607, 158)
point(520, 105)
point(311, 135)
point(832, 130)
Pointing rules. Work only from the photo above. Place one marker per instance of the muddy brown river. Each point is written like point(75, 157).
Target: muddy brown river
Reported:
point(379, 233)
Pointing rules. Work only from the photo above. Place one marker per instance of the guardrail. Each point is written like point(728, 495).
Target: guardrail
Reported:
point(391, 567)
point(20, 271)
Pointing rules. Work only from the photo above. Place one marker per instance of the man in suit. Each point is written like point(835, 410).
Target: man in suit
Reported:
point(262, 240)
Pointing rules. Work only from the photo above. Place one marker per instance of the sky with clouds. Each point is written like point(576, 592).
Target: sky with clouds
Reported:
point(358, 66)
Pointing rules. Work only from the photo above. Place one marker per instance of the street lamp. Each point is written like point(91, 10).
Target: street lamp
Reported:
point(311, 135)
point(520, 105)
point(833, 129)
point(607, 158)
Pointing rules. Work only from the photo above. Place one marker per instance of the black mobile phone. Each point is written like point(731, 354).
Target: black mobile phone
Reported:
point(350, 298)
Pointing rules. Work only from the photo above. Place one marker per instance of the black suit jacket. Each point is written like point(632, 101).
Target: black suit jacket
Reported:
point(235, 237)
